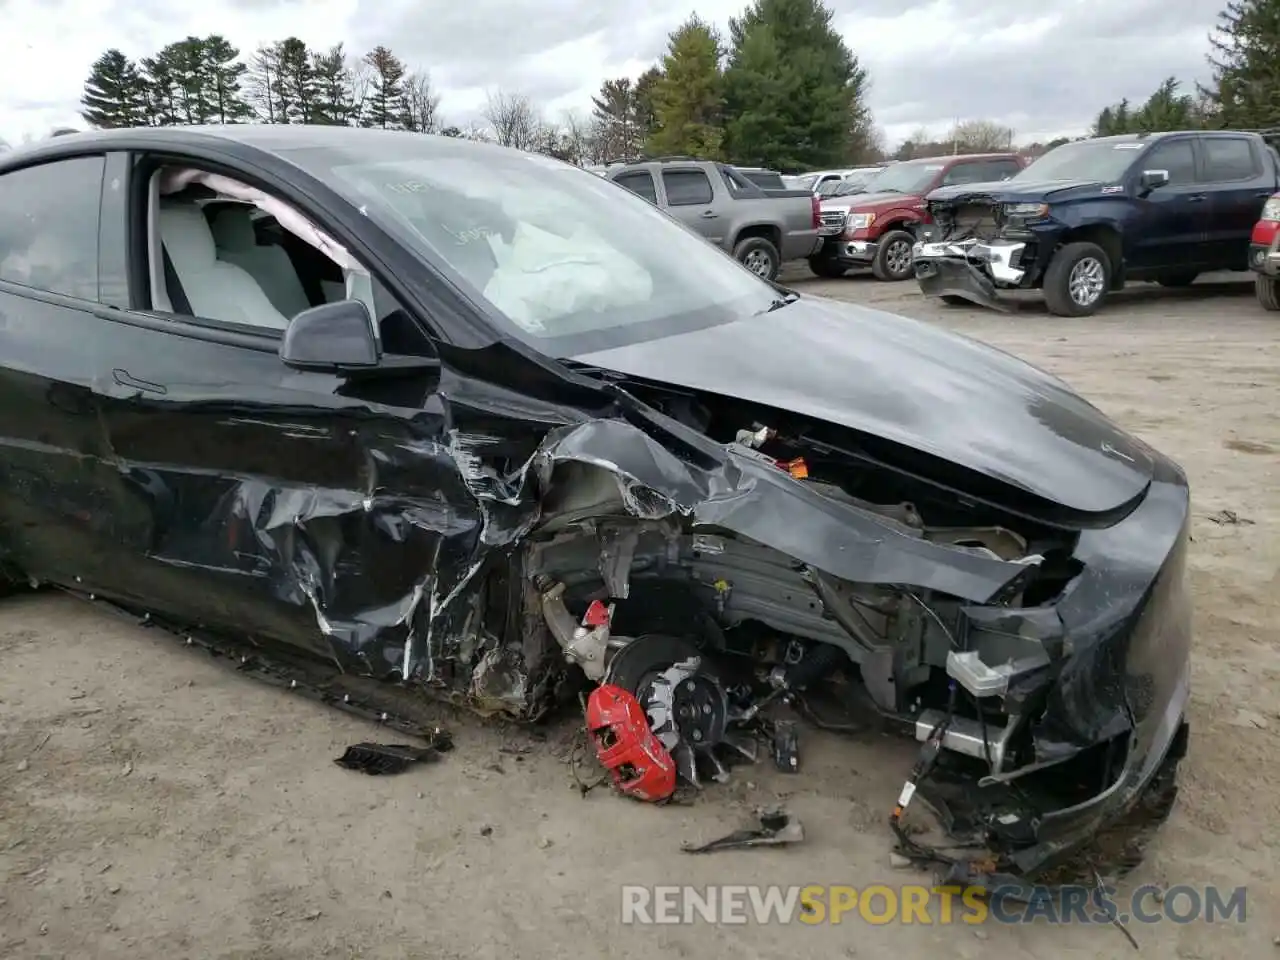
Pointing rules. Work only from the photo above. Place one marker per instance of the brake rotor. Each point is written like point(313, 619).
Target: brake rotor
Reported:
point(683, 700)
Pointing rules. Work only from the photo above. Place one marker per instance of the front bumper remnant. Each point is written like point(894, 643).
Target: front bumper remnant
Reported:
point(973, 269)
point(859, 251)
point(854, 253)
point(1265, 259)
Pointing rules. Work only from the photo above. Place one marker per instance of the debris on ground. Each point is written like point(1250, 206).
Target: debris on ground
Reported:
point(1249, 719)
point(381, 759)
point(1229, 518)
point(777, 828)
point(786, 746)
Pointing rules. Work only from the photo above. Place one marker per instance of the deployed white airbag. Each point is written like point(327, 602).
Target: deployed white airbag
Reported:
point(541, 276)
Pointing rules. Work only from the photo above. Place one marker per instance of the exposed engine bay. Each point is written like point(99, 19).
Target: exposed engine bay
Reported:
point(710, 630)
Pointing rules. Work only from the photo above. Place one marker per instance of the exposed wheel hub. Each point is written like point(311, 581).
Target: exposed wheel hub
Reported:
point(685, 703)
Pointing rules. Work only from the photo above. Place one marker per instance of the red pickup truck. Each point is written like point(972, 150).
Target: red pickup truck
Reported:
point(875, 229)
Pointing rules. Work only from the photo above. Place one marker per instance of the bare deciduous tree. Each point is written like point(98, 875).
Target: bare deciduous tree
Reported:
point(515, 120)
point(421, 104)
point(980, 136)
point(575, 137)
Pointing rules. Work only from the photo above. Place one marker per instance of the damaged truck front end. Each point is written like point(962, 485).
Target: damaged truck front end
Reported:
point(976, 248)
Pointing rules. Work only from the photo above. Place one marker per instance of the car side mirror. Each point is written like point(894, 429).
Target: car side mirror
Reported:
point(1151, 179)
point(333, 337)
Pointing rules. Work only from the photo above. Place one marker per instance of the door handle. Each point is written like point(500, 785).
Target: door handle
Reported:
point(1198, 198)
point(1264, 194)
point(708, 214)
point(126, 379)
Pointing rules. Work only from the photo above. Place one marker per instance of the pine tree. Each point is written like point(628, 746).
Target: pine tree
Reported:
point(115, 95)
point(225, 73)
point(688, 98)
point(195, 81)
point(1105, 125)
point(385, 106)
point(334, 99)
point(164, 99)
point(614, 114)
point(794, 91)
point(646, 120)
point(1166, 109)
point(297, 81)
point(1245, 91)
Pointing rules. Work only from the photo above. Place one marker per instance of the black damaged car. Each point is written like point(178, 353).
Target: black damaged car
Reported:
point(401, 408)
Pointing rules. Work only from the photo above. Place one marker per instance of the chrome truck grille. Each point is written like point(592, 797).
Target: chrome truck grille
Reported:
point(832, 223)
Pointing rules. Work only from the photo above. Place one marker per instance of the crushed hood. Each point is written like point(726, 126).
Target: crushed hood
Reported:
point(869, 201)
point(1015, 191)
point(911, 383)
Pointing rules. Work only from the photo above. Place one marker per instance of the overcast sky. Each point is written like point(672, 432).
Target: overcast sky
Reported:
point(1045, 69)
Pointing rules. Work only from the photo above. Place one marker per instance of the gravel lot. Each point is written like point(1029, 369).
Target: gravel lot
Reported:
point(155, 806)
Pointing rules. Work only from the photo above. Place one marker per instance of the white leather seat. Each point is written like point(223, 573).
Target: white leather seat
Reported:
point(214, 288)
point(236, 243)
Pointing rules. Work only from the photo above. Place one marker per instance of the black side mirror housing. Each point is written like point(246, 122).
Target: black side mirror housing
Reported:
point(331, 338)
point(1151, 179)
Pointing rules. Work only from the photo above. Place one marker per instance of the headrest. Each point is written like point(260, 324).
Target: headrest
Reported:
point(233, 228)
point(185, 233)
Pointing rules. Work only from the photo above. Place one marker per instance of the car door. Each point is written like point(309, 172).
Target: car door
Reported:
point(247, 489)
point(691, 200)
point(55, 522)
point(1238, 182)
point(639, 182)
point(1168, 226)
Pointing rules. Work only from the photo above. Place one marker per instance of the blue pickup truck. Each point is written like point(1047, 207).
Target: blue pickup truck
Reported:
point(1086, 217)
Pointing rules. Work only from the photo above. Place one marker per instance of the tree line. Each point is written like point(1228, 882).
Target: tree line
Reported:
point(1244, 88)
point(780, 90)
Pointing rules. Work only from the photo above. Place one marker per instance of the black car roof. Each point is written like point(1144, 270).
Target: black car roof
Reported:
point(278, 139)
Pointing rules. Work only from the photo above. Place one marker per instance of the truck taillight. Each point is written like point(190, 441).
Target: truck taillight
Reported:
point(816, 206)
point(1271, 209)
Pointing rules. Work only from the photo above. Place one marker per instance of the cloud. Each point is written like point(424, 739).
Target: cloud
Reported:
point(1043, 69)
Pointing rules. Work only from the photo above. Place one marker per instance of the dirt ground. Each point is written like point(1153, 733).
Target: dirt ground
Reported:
point(156, 806)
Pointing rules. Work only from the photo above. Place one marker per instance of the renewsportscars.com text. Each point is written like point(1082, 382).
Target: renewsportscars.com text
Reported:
point(922, 904)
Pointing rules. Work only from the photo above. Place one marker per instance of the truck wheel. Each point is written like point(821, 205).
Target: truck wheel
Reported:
point(1268, 292)
point(1184, 279)
point(893, 256)
point(827, 267)
point(1077, 281)
point(759, 256)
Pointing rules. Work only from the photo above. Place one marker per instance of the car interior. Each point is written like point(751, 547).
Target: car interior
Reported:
point(225, 259)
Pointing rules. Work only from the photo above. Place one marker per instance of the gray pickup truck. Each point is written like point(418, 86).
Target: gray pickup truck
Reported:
point(762, 229)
